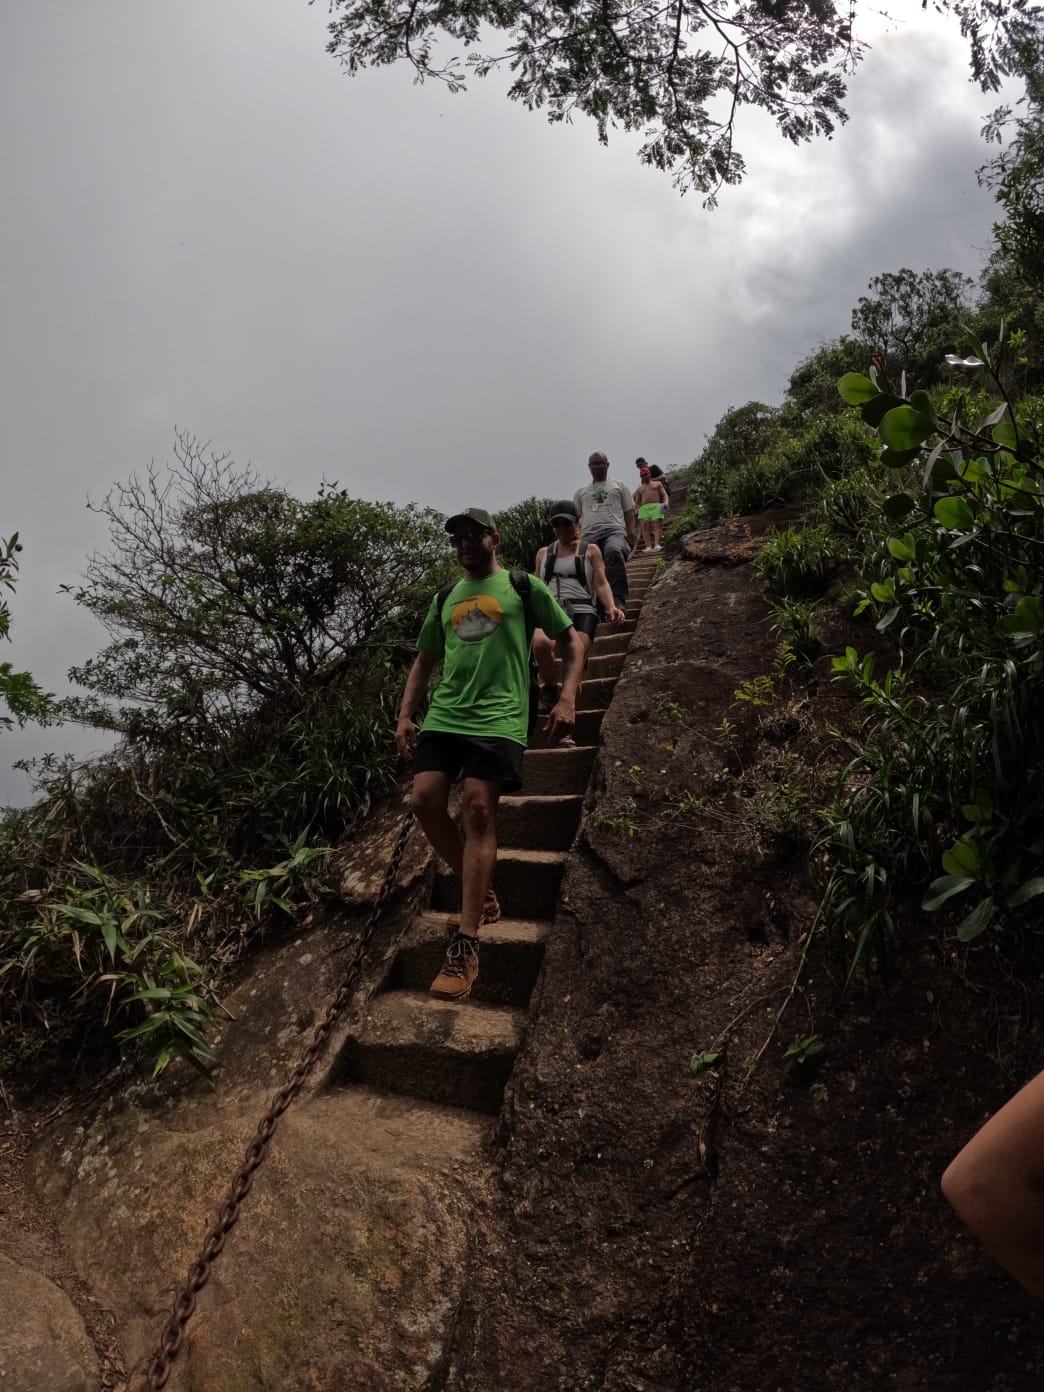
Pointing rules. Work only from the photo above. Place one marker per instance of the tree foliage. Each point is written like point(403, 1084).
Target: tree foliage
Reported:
point(678, 72)
point(259, 644)
point(524, 529)
point(912, 320)
point(225, 596)
point(19, 694)
point(812, 386)
point(1014, 278)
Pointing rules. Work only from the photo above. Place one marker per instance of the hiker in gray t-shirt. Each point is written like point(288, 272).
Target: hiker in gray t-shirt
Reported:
point(606, 511)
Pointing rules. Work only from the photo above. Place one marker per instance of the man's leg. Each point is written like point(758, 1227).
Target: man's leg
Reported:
point(430, 804)
point(478, 813)
point(615, 552)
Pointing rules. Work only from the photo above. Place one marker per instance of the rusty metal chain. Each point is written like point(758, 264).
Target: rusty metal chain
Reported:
point(199, 1273)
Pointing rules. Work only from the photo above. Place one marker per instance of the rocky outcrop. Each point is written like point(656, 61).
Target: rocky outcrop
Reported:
point(43, 1344)
point(347, 1261)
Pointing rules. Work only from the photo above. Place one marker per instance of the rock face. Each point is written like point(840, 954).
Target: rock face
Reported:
point(357, 870)
point(346, 1267)
point(43, 1344)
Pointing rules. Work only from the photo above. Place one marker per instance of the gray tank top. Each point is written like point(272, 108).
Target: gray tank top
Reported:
point(574, 597)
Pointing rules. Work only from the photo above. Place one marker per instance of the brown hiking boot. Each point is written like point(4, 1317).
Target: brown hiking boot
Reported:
point(455, 980)
point(490, 913)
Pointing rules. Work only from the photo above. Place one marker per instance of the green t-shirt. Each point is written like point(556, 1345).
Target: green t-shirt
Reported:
point(481, 637)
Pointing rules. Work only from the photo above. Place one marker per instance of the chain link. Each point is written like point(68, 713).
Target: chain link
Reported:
point(199, 1273)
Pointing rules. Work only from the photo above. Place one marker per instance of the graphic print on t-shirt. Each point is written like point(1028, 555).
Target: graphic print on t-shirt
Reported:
point(476, 618)
point(600, 495)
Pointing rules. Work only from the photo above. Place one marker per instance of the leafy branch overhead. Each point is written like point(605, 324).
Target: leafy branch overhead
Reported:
point(678, 72)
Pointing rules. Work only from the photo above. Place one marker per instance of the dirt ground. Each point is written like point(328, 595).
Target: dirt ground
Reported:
point(737, 1231)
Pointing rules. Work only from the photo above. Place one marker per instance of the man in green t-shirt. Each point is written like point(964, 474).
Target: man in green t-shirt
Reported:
point(478, 721)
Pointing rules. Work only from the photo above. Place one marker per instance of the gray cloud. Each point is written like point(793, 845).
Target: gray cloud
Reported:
point(423, 296)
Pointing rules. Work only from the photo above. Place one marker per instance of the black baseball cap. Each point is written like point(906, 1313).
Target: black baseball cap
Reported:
point(471, 514)
point(565, 509)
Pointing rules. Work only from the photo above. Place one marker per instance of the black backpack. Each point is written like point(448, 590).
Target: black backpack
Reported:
point(581, 569)
point(520, 584)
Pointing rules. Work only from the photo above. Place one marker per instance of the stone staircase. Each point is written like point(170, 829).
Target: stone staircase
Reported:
point(461, 1054)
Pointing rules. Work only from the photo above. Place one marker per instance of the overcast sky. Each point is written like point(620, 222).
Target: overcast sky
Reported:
point(206, 224)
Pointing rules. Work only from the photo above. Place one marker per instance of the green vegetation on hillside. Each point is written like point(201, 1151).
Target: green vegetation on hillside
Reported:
point(919, 485)
point(256, 656)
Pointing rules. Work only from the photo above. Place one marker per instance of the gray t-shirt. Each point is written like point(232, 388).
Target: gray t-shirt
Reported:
point(602, 506)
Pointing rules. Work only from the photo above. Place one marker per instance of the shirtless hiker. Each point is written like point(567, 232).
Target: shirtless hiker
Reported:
point(651, 500)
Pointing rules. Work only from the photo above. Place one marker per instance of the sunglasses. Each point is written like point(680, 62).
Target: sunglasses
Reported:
point(459, 538)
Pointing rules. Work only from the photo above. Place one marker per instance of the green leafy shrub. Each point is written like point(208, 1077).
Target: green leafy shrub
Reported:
point(948, 772)
point(111, 960)
point(850, 506)
point(737, 442)
point(795, 624)
point(798, 561)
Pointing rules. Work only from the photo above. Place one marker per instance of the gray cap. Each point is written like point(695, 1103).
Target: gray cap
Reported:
point(472, 514)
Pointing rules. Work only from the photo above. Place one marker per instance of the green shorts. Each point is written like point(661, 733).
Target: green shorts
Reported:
point(650, 512)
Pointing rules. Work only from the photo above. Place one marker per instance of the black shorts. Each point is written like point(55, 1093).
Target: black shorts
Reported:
point(585, 623)
point(467, 756)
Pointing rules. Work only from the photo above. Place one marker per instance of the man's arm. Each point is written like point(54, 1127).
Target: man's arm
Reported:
point(629, 527)
point(416, 686)
point(563, 716)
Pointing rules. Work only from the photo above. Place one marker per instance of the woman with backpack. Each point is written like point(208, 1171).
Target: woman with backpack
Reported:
point(574, 572)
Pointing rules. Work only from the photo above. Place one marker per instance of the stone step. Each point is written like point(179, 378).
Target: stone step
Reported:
point(612, 641)
point(557, 770)
point(542, 823)
point(636, 593)
point(600, 664)
point(632, 609)
point(586, 730)
point(608, 630)
point(608, 664)
point(597, 692)
point(458, 1054)
point(527, 884)
point(509, 958)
